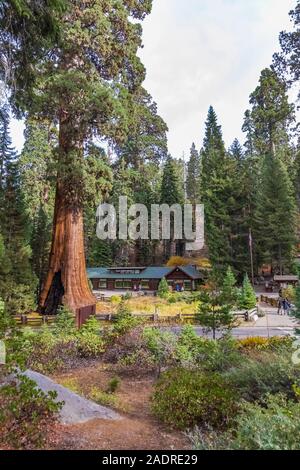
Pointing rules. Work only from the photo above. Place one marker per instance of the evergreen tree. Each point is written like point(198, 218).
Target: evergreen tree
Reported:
point(213, 315)
point(95, 70)
point(37, 180)
point(236, 151)
point(172, 193)
point(271, 113)
point(228, 288)
point(146, 141)
point(100, 254)
point(247, 298)
point(171, 186)
point(7, 153)
point(287, 63)
point(163, 289)
point(17, 282)
point(216, 190)
point(275, 216)
point(193, 179)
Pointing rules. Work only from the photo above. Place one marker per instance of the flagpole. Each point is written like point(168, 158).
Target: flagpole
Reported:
point(251, 255)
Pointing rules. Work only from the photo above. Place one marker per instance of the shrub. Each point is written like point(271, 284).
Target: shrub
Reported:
point(116, 299)
point(26, 413)
point(90, 343)
point(129, 351)
point(46, 351)
point(125, 321)
point(276, 343)
point(272, 374)
point(205, 354)
point(289, 293)
point(184, 398)
point(161, 345)
point(113, 385)
point(64, 323)
point(274, 426)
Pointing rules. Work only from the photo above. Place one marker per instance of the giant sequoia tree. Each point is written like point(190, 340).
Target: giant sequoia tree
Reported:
point(85, 82)
point(287, 63)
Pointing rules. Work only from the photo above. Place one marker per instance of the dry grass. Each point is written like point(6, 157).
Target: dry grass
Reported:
point(150, 305)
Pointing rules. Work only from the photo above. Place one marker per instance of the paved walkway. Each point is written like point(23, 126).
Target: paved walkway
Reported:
point(272, 319)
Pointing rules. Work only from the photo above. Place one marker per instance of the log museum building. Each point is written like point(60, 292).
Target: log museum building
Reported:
point(145, 278)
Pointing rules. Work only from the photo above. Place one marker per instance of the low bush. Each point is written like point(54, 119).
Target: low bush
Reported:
point(185, 398)
point(26, 414)
point(276, 343)
point(161, 346)
point(210, 355)
point(125, 321)
point(113, 385)
point(254, 379)
point(90, 343)
point(274, 426)
point(130, 353)
point(116, 299)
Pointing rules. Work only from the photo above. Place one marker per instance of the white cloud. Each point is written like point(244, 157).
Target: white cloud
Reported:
point(202, 52)
point(199, 52)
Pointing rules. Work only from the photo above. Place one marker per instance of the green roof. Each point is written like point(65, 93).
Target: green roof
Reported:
point(152, 272)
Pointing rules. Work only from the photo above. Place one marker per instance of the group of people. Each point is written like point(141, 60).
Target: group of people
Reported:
point(284, 305)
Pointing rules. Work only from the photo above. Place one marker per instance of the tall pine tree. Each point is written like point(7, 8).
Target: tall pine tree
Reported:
point(216, 190)
point(193, 178)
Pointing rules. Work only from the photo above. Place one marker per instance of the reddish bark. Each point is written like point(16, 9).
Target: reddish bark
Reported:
point(66, 282)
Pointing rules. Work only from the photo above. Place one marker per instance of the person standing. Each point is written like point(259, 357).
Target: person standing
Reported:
point(279, 305)
point(286, 306)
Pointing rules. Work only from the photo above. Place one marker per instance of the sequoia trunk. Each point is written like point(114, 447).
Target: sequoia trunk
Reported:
point(66, 282)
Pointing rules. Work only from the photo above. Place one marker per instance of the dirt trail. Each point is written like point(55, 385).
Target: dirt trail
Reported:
point(137, 429)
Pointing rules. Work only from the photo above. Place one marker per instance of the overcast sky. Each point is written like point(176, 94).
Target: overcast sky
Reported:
point(202, 52)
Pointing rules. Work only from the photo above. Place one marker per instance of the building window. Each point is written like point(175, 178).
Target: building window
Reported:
point(122, 284)
point(187, 285)
point(103, 284)
point(145, 284)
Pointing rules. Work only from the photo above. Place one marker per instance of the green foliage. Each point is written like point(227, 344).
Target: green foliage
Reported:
point(213, 315)
point(64, 323)
point(228, 289)
point(193, 179)
point(6, 321)
point(26, 413)
point(113, 385)
point(161, 346)
point(274, 426)
point(103, 398)
point(163, 289)
point(247, 296)
point(271, 374)
point(216, 186)
point(125, 321)
point(90, 343)
point(287, 62)
point(184, 398)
